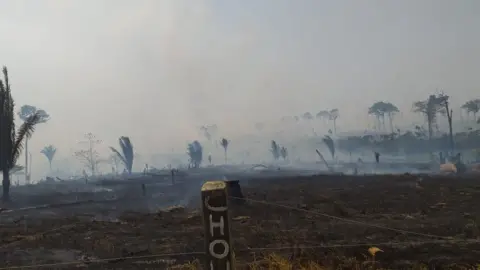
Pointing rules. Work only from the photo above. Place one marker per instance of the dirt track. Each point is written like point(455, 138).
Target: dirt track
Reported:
point(287, 216)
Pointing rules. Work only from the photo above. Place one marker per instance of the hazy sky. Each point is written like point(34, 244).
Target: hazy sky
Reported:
point(155, 70)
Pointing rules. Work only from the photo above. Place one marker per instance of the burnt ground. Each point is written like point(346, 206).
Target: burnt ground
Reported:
point(332, 220)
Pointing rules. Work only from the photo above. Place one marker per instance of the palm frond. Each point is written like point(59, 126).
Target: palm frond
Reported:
point(420, 107)
point(115, 151)
point(127, 150)
point(15, 169)
point(330, 144)
point(49, 152)
point(25, 131)
point(224, 143)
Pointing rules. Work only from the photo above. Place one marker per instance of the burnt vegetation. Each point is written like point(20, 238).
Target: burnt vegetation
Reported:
point(361, 209)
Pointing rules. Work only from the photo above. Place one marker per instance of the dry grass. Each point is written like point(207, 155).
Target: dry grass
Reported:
point(274, 261)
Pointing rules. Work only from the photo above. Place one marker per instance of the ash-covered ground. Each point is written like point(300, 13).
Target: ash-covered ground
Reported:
point(326, 218)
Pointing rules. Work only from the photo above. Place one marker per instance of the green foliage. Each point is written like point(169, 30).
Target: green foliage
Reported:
point(11, 142)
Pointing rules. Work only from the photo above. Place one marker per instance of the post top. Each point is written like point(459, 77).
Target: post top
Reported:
point(213, 185)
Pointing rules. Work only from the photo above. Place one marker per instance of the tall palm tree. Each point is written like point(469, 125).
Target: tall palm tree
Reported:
point(224, 143)
point(381, 109)
point(472, 106)
point(430, 108)
point(330, 145)
point(127, 153)
point(11, 141)
point(195, 152)
point(377, 111)
point(307, 116)
point(275, 149)
point(49, 152)
point(25, 112)
point(334, 114)
point(390, 110)
point(324, 115)
point(444, 102)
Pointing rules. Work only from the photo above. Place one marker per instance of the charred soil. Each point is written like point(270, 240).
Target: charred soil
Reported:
point(331, 220)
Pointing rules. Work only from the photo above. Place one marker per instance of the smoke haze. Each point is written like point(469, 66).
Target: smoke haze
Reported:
point(157, 70)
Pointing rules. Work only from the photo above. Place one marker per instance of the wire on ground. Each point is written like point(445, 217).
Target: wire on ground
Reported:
point(352, 221)
point(117, 259)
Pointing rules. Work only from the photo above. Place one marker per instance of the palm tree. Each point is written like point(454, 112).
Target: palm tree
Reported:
point(444, 102)
point(377, 111)
point(330, 144)
point(284, 152)
point(324, 115)
point(11, 141)
point(472, 106)
point(25, 112)
point(49, 152)
point(430, 108)
point(127, 152)
point(334, 114)
point(307, 116)
point(381, 109)
point(195, 152)
point(390, 110)
point(275, 149)
point(224, 143)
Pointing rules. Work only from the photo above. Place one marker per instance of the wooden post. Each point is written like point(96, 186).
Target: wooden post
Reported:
point(218, 247)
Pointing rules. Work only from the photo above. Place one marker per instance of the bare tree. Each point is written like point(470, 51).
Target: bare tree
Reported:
point(89, 157)
point(443, 100)
point(114, 161)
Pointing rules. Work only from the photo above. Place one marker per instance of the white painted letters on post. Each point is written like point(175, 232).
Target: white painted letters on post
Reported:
point(216, 217)
point(219, 224)
point(213, 208)
point(226, 248)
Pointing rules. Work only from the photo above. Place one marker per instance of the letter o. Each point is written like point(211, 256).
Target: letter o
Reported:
point(226, 249)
